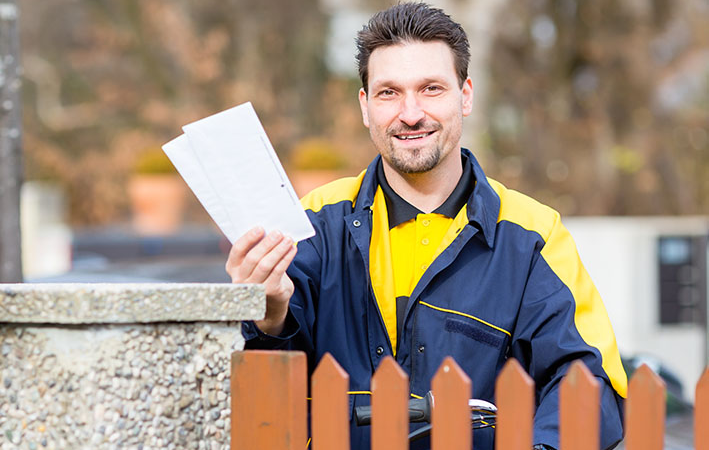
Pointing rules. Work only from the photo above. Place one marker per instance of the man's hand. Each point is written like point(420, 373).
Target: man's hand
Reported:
point(255, 258)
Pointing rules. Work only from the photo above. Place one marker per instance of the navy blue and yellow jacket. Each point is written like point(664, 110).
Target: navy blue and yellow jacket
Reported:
point(508, 284)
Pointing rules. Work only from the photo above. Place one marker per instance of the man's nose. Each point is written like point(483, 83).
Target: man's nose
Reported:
point(411, 112)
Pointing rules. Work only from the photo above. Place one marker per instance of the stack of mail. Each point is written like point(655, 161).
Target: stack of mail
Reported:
point(230, 165)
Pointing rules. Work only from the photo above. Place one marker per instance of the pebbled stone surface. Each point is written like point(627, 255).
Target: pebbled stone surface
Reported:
point(156, 386)
point(77, 303)
point(111, 366)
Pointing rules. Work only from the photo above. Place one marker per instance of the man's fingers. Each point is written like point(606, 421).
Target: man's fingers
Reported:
point(280, 269)
point(269, 261)
point(255, 258)
point(248, 251)
point(242, 246)
point(278, 282)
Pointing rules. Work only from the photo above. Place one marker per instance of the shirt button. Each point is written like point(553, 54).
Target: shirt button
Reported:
point(424, 241)
point(424, 267)
point(426, 222)
point(421, 348)
point(356, 223)
point(380, 350)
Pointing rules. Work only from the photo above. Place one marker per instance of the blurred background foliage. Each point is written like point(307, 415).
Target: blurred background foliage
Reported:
point(603, 106)
point(594, 107)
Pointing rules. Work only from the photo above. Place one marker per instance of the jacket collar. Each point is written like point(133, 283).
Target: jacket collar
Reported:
point(484, 203)
point(365, 198)
point(483, 206)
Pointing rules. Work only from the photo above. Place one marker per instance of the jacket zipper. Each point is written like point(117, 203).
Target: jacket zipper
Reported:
point(370, 289)
point(414, 350)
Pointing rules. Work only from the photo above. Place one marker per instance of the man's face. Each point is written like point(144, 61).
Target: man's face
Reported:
point(414, 109)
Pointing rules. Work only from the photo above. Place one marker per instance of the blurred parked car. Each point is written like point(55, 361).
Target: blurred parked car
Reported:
point(117, 256)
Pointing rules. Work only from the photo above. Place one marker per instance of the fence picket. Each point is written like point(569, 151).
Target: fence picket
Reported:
point(514, 391)
point(329, 407)
point(451, 415)
point(579, 409)
point(645, 411)
point(701, 413)
point(390, 397)
point(268, 400)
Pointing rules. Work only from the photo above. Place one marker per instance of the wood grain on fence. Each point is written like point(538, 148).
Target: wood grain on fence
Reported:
point(390, 406)
point(269, 410)
point(701, 413)
point(451, 415)
point(514, 393)
point(645, 411)
point(268, 400)
point(330, 406)
point(579, 411)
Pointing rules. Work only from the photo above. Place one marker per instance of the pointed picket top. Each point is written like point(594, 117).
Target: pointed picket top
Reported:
point(330, 406)
point(579, 425)
point(390, 397)
point(701, 412)
point(452, 389)
point(514, 393)
point(645, 411)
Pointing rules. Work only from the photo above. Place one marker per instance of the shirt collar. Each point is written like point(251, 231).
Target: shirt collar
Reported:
point(400, 211)
point(483, 205)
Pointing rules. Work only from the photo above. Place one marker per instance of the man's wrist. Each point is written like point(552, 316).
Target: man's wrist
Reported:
point(270, 326)
point(276, 313)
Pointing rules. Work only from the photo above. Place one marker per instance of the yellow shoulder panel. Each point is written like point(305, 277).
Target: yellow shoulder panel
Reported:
point(333, 192)
point(561, 255)
point(524, 211)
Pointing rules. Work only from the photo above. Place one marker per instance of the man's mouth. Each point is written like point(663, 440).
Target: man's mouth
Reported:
point(409, 137)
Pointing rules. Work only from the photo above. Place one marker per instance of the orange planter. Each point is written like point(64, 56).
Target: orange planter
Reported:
point(158, 203)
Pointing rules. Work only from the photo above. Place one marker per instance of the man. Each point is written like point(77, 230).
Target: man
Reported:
point(421, 256)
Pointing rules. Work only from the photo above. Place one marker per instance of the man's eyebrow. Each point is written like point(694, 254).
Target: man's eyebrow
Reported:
point(434, 80)
point(380, 84)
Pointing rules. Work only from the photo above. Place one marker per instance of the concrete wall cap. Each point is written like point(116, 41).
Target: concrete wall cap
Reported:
point(86, 303)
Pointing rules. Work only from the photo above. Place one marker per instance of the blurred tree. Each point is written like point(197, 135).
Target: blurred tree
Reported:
point(597, 106)
point(10, 145)
point(107, 81)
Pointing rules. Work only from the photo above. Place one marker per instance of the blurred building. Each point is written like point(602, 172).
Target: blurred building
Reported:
point(652, 275)
point(46, 238)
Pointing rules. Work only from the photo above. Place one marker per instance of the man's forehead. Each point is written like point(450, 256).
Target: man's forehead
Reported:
point(411, 61)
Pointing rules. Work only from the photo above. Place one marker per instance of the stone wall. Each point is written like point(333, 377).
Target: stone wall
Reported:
point(119, 366)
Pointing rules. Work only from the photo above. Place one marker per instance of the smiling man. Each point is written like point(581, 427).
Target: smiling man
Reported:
point(421, 256)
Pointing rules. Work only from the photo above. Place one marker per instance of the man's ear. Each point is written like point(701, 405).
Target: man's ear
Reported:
point(467, 98)
point(363, 107)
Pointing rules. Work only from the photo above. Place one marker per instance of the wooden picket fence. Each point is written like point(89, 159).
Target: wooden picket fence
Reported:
point(269, 406)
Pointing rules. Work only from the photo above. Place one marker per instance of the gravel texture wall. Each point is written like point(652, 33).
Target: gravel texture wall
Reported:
point(119, 366)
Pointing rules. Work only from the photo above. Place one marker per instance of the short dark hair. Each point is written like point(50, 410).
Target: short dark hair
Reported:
point(411, 22)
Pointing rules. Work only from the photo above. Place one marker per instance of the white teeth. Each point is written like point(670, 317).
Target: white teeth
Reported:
point(413, 136)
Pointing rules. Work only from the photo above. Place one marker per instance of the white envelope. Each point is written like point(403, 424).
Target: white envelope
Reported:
point(231, 166)
point(185, 161)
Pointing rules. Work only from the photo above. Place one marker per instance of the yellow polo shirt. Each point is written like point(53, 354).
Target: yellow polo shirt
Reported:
point(405, 241)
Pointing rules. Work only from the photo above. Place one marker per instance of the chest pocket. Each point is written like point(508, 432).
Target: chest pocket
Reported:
point(478, 347)
point(472, 331)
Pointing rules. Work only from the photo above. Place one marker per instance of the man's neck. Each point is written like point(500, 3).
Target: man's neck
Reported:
point(426, 191)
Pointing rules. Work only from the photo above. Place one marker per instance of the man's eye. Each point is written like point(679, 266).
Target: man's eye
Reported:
point(433, 89)
point(386, 93)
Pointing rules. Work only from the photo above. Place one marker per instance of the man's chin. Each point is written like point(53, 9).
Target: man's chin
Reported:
point(414, 166)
